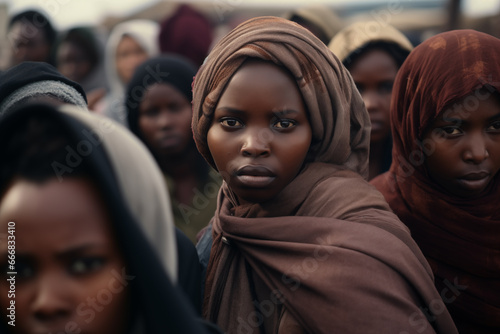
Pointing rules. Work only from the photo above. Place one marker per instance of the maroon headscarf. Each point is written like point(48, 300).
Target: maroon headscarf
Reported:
point(459, 237)
point(187, 33)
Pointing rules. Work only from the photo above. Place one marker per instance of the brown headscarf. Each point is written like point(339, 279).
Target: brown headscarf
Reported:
point(340, 124)
point(459, 237)
point(327, 247)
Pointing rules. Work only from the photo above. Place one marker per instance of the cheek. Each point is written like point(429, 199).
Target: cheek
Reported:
point(387, 107)
point(293, 152)
point(104, 299)
point(219, 147)
point(146, 126)
point(439, 164)
point(187, 116)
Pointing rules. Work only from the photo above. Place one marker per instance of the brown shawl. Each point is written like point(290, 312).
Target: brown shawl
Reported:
point(327, 247)
point(459, 237)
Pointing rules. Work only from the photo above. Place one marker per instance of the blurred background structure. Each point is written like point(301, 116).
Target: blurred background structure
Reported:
point(418, 19)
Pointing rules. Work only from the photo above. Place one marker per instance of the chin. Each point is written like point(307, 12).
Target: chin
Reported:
point(260, 196)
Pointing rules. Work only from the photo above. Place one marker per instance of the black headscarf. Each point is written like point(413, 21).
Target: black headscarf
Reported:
point(169, 69)
point(137, 199)
point(30, 79)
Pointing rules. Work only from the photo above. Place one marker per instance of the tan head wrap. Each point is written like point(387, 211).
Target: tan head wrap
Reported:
point(358, 34)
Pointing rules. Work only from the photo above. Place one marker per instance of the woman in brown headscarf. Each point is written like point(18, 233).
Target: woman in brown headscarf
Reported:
point(443, 182)
point(312, 248)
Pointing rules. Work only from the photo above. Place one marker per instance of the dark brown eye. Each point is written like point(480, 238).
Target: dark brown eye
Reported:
point(451, 130)
point(230, 122)
point(284, 124)
point(495, 126)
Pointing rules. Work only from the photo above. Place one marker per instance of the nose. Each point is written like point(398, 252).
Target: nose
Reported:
point(476, 150)
point(52, 302)
point(372, 100)
point(165, 119)
point(256, 142)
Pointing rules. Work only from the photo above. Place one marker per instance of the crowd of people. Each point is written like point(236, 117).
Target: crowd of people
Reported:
point(295, 175)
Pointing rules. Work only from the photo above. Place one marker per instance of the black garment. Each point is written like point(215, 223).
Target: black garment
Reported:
point(30, 72)
point(168, 69)
point(190, 271)
point(133, 192)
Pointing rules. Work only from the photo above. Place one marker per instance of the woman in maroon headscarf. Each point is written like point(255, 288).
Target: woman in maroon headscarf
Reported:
point(443, 182)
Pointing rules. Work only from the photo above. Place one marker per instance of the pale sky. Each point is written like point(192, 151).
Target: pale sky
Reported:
point(67, 13)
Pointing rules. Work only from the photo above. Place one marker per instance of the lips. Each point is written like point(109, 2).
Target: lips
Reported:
point(475, 181)
point(255, 176)
point(169, 141)
point(476, 176)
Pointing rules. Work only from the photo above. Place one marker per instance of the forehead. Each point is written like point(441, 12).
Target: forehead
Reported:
point(374, 60)
point(262, 70)
point(26, 30)
point(56, 213)
point(481, 105)
point(267, 81)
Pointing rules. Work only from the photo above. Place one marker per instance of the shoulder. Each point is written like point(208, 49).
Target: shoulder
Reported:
point(343, 194)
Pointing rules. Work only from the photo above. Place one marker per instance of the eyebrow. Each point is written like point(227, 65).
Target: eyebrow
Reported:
point(284, 112)
point(494, 117)
point(278, 114)
point(232, 110)
point(464, 121)
point(78, 250)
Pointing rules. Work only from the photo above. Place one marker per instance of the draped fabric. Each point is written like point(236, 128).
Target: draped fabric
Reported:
point(327, 249)
point(134, 193)
point(355, 36)
point(339, 121)
point(459, 237)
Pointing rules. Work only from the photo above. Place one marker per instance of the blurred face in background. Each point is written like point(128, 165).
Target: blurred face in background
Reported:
point(374, 73)
point(73, 61)
point(28, 43)
point(69, 266)
point(165, 120)
point(129, 54)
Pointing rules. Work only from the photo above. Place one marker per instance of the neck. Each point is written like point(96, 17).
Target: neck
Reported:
point(377, 152)
point(180, 166)
point(184, 172)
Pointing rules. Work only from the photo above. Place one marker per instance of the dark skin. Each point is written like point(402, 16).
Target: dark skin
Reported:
point(73, 62)
point(465, 157)
point(28, 43)
point(165, 123)
point(374, 73)
point(184, 174)
point(65, 254)
point(259, 139)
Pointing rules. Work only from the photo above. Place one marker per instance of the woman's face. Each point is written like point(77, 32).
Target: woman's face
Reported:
point(165, 120)
point(466, 146)
point(73, 61)
point(260, 134)
point(129, 54)
point(374, 73)
point(71, 277)
point(28, 43)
